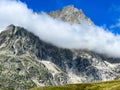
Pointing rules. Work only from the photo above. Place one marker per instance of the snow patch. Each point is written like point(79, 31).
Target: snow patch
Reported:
point(111, 65)
point(74, 78)
point(51, 67)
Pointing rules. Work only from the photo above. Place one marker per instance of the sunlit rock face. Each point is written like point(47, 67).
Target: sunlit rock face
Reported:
point(71, 14)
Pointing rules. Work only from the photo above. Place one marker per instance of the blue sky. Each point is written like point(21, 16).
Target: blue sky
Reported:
point(102, 12)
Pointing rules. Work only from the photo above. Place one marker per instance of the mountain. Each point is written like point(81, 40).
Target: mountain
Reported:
point(26, 61)
point(71, 14)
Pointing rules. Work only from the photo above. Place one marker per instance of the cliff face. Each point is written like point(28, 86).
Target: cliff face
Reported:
point(26, 61)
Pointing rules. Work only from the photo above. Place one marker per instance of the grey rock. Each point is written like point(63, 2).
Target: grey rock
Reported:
point(71, 14)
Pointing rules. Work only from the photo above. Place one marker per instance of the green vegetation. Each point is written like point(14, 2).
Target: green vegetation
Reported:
point(108, 85)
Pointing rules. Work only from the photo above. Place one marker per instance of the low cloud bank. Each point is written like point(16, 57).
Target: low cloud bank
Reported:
point(57, 32)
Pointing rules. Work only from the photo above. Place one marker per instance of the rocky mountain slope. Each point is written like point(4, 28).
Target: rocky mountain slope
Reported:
point(26, 61)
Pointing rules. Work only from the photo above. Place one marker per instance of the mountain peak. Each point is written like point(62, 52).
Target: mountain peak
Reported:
point(71, 14)
point(11, 26)
point(71, 8)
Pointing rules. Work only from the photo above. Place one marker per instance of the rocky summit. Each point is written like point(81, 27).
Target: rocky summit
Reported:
point(26, 61)
point(71, 14)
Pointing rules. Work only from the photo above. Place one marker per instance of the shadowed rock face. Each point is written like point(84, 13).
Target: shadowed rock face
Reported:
point(26, 61)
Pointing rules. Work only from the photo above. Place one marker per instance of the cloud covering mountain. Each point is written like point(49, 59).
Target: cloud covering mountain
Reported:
point(58, 32)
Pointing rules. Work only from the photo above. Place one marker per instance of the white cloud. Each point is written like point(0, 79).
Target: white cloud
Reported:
point(114, 8)
point(57, 32)
point(117, 25)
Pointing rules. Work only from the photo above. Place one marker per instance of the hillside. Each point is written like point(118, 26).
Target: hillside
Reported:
point(109, 85)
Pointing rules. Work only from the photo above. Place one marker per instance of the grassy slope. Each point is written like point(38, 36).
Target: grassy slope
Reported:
point(109, 85)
